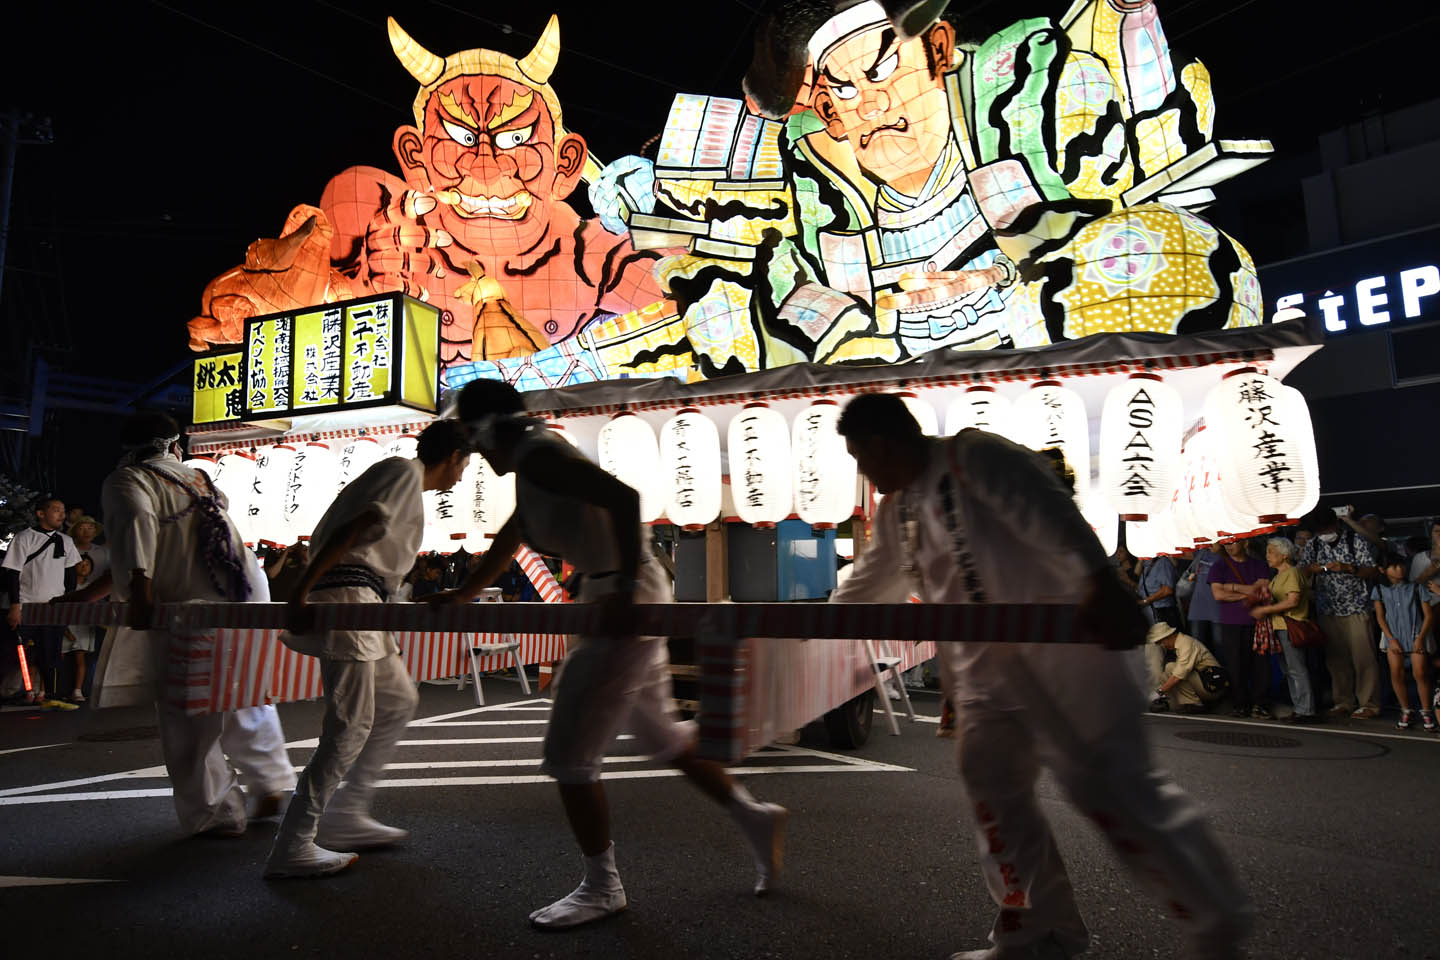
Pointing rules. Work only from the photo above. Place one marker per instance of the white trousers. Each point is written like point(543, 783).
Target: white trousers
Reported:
point(206, 790)
point(1154, 827)
point(368, 704)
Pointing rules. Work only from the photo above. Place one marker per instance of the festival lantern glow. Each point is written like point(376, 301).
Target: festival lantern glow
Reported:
point(486, 499)
point(1208, 505)
point(1258, 446)
point(981, 408)
point(442, 520)
point(235, 477)
point(825, 475)
point(1140, 432)
point(205, 465)
point(690, 467)
point(402, 446)
point(1050, 415)
point(309, 489)
point(923, 413)
point(1104, 522)
point(356, 456)
point(267, 506)
point(1299, 411)
point(758, 443)
point(560, 430)
point(629, 452)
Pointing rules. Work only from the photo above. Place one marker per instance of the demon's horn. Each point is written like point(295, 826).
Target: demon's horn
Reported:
point(540, 62)
point(421, 63)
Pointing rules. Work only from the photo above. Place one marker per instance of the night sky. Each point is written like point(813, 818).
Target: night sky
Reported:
point(183, 131)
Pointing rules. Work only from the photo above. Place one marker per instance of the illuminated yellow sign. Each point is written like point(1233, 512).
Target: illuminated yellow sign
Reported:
point(219, 389)
point(373, 352)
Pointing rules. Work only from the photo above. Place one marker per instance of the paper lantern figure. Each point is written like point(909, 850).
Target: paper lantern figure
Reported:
point(205, 465)
point(1049, 415)
point(901, 192)
point(825, 474)
point(629, 452)
point(309, 488)
point(923, 413)
point(690, 469)
point(267, 505)
point(1140, 434)
point(235, 477)
point(758, 444)
point(981, 408)
point(357, 456)
point(477, 223)
point(1258, 446)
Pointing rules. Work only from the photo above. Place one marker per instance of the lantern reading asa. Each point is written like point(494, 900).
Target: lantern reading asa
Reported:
point(1140, 428)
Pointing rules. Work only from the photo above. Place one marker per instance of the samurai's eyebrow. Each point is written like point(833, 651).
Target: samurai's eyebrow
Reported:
point(887, 42)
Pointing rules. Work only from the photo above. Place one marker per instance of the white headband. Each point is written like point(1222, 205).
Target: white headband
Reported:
point(844, 25)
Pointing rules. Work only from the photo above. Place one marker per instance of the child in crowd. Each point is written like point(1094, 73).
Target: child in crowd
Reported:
point(1403, 610)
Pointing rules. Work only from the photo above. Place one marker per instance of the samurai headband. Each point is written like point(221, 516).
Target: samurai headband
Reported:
point(844, 25)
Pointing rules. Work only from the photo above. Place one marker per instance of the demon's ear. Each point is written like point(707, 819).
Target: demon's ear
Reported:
point(410, 151)
point(570, 154)
point(824, 105)
point(940, 48)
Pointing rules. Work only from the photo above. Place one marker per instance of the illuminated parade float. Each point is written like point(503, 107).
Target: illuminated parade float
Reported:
point(1007, 230)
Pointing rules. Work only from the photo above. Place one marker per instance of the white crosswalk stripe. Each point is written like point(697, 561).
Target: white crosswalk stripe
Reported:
point(430, 733)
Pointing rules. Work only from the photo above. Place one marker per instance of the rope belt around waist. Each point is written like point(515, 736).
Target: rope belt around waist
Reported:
point(353, 575)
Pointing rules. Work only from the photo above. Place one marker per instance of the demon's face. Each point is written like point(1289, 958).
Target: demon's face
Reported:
point(489, 154)
point(887, 98)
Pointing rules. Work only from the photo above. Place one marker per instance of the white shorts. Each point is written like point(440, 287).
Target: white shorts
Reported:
point(608, 686)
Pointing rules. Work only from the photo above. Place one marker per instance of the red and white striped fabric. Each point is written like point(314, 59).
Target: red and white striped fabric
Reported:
point(539, 575)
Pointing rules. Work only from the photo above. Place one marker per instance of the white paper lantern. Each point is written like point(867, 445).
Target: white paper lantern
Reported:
point(1258, 446)
point(1142, 538)
point(402, 446)
point(1186, 528)
point(824, 472)
point(1299, 411)
point(356, 456)
point(1049, 415)
point(309, 488)
point(1140, 431)
point(267, 506)
point(758, 444)
point(923, 413)
point(442, 521)
point(981, 408)
point(560, 430)
point(235, 477)
point(690, 468)
point(629, 452)
point(205, 465)
point(486, 499)
point(1104, 522)
point(1207, 499)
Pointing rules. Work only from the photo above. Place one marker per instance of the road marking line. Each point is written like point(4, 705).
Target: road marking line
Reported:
point(48, 881)
point(638, 775)
point(71, 797)
point(43, 746)
point(487, 723)
point(472, 740)
point(144, 773)
point(488, 708)
point(1273, 726)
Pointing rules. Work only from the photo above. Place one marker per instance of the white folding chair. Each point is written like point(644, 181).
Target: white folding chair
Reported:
point(880, 666)
point(508, 645)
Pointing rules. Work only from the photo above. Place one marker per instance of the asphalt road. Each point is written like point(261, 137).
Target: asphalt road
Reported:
point(1331, 829)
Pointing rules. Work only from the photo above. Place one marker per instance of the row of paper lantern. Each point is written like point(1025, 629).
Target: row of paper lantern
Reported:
point(1250, 465)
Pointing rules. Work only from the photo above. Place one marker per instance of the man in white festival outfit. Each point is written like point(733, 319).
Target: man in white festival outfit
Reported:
point(360, 552)
point(566, 506)
point(977, 519)
point(171, 541)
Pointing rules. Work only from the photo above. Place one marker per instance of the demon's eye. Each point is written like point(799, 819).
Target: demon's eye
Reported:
point(461, 135)
point(884, 68)
point(507, 139)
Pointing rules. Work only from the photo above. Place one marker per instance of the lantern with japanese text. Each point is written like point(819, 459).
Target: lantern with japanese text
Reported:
point(309, 488)
point(1049, 415)
point(356, 456)
point(1140, 432)
point(981, 408)
point(401, 446)
point(1258, 446)
point(267, 506)
point(690, 468)
point(487, 499)
point(758, 444)
point(235, 477)
point(825, 474)
point(628, 452)
point(205, 465)
point(443, 520)
point(1208, 506)
point(923, 413)
point(1300, 412)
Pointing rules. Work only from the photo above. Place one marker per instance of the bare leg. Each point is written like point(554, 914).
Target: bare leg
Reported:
point(1422, 678)
point(712, 778)
point(1397, 678)
point(588, 810)
point(79, 669)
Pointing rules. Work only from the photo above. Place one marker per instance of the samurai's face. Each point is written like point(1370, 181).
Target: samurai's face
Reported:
point(887, 98)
